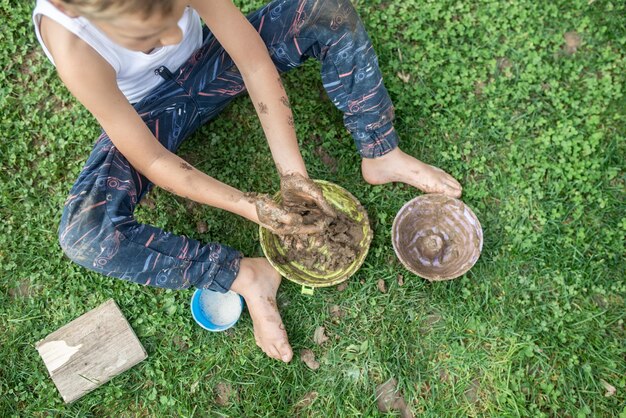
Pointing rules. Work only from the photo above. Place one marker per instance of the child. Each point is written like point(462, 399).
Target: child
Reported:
point(151, 76)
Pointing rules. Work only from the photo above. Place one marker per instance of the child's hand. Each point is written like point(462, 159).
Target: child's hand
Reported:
point(281, 221)
point(304, 210)
point(297, 189)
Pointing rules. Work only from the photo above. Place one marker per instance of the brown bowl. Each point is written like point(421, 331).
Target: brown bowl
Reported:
point(437, 237)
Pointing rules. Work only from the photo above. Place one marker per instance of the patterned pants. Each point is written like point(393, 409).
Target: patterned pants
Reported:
point(98, 229)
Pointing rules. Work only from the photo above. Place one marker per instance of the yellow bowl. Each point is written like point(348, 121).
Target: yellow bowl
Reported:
point(343, 201)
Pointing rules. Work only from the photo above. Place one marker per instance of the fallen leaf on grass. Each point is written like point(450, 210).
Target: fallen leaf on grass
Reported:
point(444, 376)
point(194, 386)
point(386, 396)
point(306, 400)
point(405, 77)
point(428, 322)
point(201, 227)
point(382, 287)
point(335, 311)
point(471, 393)
point(190, 205)
point(423, 389)
point(147, 202)
point(326, 158)
point(342, 286)
point(223, 392)
point(503, 63)
point(180, 343)
point(22, 290)
point(308, 357)
point(610, 389)
point(400, 280)
point(319, 337)
point(572, 42)
point(389, 399)
point(600, 301)
point(478, 88)
point(504, 66)
point(353, 373)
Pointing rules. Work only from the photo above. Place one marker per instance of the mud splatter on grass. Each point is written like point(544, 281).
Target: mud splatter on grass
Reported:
point(148, 202)
point(471, 393)
point(573, 41)
point(389, 399)
point(336, 311)
point(342, 286)
point(319, 337)
point(201, 227)
point(306, 400)
point(308, 357)
point(382, 287)
point(224, 393)
point(326, 158)
point(22, 290)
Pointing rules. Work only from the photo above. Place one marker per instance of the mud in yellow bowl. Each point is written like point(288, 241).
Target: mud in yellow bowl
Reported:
point(343, 201)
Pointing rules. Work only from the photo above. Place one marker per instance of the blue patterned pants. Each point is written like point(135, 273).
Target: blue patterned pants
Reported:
point(98, 229)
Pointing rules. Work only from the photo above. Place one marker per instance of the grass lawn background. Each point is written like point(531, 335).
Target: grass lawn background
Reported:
point(487, 90)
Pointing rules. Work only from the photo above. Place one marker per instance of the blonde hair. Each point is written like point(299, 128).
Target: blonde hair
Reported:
point(107, 9)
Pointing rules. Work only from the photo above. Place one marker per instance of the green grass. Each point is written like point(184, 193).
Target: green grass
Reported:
point(536, 136)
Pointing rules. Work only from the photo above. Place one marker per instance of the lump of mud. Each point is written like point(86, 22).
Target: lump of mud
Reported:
point(437, 237)
point(333, 249)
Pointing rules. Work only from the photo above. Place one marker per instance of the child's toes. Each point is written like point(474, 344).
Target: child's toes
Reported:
point(285, 351)
point(272, 351)
point(452, 191)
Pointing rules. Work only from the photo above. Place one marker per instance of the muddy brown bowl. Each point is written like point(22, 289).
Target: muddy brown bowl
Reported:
point(437, 237)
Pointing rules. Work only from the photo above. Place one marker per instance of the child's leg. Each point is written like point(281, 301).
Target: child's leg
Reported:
point(332, 32)
point(98, 229)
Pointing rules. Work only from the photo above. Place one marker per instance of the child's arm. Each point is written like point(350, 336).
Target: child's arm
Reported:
point(92, 81)
point(248, 51)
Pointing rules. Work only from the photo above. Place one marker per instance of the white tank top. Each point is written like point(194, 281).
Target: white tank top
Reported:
point(134, 69)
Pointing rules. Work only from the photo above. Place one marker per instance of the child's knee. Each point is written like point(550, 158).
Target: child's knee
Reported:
point(83, 230)
point(336, 15)
point(339, 15)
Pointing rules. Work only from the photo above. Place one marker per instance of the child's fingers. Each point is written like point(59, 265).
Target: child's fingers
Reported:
point(272, 214)
point(282, 222)
point(453, 188)
point(296, 187)
point(297, 229)
point(326, 207)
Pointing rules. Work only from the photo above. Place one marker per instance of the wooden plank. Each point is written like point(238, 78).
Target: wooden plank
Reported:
point(90, 350)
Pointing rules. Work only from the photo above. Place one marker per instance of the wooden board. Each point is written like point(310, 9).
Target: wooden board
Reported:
point(90, 350)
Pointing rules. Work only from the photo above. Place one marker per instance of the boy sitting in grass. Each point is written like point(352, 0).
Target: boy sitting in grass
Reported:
point(151, 75)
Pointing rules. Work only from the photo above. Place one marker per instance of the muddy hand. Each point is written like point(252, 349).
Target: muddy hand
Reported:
point(280, 221)
point(296, 188)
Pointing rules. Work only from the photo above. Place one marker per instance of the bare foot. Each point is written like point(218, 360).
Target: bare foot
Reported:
point(258, 283)
point(399, 166)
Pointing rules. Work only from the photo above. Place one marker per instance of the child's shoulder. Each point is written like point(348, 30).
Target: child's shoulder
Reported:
point(78, 65)
point(71, 54)
point(59, 40)
point(57, 32)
